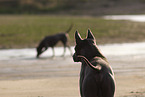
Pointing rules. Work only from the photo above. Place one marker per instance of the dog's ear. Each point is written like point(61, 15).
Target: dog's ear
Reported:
point(77, 37)
point(90, 35)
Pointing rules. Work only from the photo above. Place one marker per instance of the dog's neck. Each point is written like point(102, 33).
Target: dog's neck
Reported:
point(97, 54)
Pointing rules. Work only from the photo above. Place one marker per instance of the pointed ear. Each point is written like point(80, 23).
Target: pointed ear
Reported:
point(90, 35)
point(77, 37)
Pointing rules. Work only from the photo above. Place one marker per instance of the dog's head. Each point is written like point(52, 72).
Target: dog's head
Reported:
point(39, 51)
point(85, 47)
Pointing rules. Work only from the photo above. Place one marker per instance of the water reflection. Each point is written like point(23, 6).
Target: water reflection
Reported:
point(109, 50)
point(136, 18)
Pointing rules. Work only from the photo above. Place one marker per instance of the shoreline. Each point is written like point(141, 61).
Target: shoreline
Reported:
point(126, 86)
point(59, 77)
point(39, 78)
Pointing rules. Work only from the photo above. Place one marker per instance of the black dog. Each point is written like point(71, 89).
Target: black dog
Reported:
point(51, 41)
point(96, 76)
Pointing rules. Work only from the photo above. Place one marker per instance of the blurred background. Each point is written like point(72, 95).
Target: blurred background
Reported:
point(25, 22)
point(72, 7)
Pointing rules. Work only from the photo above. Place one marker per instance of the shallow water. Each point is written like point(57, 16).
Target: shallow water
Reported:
point(126, 58)
point(29, 53)
point(136, 18)
point(109, 50)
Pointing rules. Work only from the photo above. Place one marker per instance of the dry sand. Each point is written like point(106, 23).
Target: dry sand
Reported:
point(46, 78)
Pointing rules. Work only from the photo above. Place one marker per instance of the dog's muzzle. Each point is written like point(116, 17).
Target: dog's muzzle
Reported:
point(75, 58)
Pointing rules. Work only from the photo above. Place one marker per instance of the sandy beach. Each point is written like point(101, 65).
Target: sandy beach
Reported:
point(59, 76)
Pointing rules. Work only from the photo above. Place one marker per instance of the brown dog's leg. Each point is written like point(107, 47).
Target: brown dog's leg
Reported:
point(70, 50)
point(64, 51)
point(53, 52)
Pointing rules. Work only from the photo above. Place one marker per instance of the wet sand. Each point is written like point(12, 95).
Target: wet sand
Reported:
point(59, 77)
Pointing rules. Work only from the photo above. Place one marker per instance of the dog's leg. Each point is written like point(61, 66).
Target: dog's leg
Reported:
point(53, 52)
point(70, 50)
point(64, 51)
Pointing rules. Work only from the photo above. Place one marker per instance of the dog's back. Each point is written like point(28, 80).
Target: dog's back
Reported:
point(52, 40)
point(97, 83)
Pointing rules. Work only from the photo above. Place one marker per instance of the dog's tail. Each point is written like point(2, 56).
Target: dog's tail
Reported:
point(98, 67)
point(67, 31)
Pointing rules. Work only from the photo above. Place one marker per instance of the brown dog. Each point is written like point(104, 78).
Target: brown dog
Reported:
point(51, 41)
point(96, 76)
